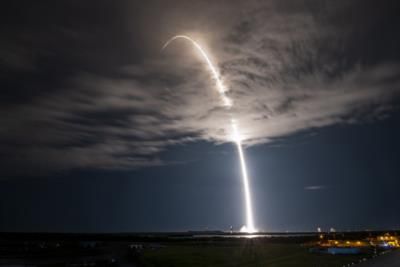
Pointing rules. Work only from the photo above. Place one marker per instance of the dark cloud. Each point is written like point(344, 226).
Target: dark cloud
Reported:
point(85, 85)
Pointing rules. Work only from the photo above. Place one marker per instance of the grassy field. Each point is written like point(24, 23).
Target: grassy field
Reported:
point(250, 253)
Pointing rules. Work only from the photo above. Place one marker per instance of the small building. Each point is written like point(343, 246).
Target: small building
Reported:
point(386, 241)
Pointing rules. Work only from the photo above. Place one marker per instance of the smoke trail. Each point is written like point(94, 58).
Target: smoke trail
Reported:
point(249, 227)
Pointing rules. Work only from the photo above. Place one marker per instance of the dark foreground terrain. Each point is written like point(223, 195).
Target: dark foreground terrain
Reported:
point(179, 249)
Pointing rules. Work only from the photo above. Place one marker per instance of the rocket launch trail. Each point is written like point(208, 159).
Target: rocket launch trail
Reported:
point(227, 102)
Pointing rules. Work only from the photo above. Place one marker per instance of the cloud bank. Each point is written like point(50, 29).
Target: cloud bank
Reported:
point(108, 98)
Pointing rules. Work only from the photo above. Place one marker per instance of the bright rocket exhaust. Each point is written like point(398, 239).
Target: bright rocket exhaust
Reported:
point(249, 227)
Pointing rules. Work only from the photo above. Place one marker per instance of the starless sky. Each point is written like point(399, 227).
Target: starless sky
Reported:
point(101, 131)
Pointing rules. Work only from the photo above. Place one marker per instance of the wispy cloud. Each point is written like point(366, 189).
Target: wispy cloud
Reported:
point(315, 187)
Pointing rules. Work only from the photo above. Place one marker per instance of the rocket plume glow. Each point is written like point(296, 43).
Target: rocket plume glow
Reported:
point(249, 227)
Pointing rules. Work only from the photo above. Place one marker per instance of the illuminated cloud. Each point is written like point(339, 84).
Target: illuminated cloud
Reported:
point(287, 67)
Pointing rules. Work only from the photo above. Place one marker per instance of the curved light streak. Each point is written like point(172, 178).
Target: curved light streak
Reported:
point(249, 227)
point(220, 85)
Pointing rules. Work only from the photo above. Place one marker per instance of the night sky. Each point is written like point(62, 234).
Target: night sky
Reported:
point(101, 131)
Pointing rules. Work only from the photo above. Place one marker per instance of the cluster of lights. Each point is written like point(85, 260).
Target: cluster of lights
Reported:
point(386, 240)
point(343, 243)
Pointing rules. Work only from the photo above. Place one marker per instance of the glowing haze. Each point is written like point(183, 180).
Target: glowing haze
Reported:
point(236, 137)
